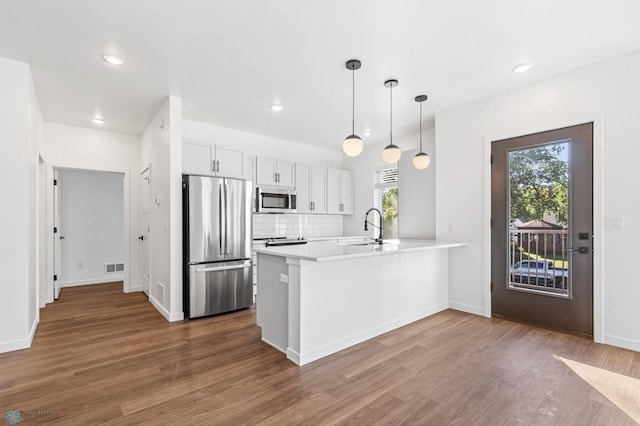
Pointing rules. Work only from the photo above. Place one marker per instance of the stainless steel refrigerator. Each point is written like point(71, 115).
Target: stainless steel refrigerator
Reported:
point(218, 273)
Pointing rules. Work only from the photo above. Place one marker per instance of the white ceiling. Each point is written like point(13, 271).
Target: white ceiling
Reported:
point(229, 59)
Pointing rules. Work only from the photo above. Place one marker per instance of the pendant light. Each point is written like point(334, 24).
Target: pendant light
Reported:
point(422, 159)
point(391, 153)
point(353, 145)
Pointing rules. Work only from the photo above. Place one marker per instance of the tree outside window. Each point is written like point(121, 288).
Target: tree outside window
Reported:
point(386, 200)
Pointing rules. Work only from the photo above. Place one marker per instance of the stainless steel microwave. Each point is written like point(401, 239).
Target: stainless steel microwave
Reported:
point(275, 200)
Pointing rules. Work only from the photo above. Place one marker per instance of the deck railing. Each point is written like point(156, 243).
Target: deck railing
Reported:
point(538, 261)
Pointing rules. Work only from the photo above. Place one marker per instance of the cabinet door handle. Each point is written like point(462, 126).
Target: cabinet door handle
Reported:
point(213, 166)
point(217, 165)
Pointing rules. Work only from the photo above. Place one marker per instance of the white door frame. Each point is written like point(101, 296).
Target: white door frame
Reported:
point(126, 193)
point(144, 259)
point(598, 210)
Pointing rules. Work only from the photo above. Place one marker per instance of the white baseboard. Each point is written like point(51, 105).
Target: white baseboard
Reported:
point(15, 345)
point(133, 289)
point(169, 316)
point(622, 342)
point(354, 339)
point(293, 356)
point(274, 346)
point(476, 310)
point(90, 281)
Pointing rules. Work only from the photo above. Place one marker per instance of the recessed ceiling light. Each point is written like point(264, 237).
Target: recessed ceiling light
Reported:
point(112, 59)
point(366, 133)
point(522, 67)
point(97, 120)
point(275, 107)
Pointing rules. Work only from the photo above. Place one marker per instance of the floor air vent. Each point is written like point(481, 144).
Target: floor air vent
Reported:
point(111, 268)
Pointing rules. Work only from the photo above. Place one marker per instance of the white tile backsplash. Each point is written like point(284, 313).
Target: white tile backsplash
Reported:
point(297, 225)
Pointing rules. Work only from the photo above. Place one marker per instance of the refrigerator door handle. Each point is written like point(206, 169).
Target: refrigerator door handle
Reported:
point(224, 268)
point(227, 213)
point(220, 228)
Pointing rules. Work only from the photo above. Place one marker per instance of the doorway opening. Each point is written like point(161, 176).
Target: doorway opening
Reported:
point(88, 228)
point(542, 228)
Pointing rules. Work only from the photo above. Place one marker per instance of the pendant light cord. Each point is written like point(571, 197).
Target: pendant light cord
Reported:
point(420, 126)
point(391, 114)
point(353, 101)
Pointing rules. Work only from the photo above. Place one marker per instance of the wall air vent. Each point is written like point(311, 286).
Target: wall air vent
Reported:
point(111, 268)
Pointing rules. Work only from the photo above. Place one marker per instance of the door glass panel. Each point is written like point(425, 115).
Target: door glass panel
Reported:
point(538, 179)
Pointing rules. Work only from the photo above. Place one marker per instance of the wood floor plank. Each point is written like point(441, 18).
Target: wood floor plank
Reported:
point(101, 356)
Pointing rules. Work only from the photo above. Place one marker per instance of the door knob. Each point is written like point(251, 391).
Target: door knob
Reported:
point(141, 237)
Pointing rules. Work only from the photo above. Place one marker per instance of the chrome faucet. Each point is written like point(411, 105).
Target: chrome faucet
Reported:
point(366, 222)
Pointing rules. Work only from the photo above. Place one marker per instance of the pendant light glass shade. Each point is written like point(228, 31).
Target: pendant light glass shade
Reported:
point(421, 160)
point(353, 145)
point(391, 153)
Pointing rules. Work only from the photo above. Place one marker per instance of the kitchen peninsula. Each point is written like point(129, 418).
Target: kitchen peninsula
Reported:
point(319, 298)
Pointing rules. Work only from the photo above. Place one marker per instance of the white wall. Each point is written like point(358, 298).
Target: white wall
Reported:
point(416, 188)
point(35, 140)
point(162, 152)
point(608, 90)
point(92, 222)
point(417, 193)
point(67, 146)
point(20, 121)
point(263, 146)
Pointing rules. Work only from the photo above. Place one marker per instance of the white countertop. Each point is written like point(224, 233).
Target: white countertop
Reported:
point(321, 251)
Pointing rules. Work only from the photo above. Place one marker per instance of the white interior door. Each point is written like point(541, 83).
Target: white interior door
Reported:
point(56, 236)
point(145, 186)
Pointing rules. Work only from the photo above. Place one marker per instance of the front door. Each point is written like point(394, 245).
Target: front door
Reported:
point(542, 228)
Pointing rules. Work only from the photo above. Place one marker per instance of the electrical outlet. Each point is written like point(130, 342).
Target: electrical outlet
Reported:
point(284, 278)
point(614, 222)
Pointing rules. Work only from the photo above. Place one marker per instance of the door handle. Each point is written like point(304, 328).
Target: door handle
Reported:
point(61, 238)
point(582, 250)
point(141, 237)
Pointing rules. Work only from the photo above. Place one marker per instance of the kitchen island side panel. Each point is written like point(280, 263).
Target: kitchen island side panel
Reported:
point(343, 303)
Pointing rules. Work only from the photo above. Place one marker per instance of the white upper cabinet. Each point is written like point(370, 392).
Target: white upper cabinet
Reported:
point(197, 158)
point(311, 188)
point(319, 189)
point(229, 162)
point(272, 172)
point(339, 191)
point(346, 192)
point(202, 158)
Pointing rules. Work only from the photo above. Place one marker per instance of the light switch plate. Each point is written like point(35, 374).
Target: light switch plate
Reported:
point(284, 278)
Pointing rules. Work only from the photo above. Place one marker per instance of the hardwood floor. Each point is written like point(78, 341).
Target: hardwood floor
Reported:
point(104, 357)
